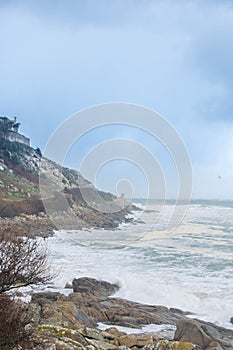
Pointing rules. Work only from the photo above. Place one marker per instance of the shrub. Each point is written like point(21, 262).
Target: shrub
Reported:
point(15, 328)
point(22, 263)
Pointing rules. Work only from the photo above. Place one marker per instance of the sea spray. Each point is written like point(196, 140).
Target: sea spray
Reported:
point(190, 268)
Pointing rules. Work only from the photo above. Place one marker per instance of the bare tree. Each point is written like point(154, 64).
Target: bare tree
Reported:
point(22, 263)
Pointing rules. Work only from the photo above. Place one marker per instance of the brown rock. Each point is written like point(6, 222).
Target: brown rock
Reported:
point(101, 345)
point(203, 334)
point(214, 346)
point(91, 285)
point(191, 331)
point(143, 339)
point(128, 340)
point(115, 332)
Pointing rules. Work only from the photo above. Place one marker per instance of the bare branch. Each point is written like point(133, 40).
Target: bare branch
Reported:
point(22, 263)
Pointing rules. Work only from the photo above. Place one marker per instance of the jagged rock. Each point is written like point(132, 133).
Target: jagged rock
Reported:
point(91, 333)
point(57, 310)
point(191, 331)
point(203, 334)
point(87, 308)
point(91, 285)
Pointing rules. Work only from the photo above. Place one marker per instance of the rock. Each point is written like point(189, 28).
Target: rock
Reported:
point(136, 340)
point(113, 331)
point(84, 309)
point(108, 335)
point(231, 320)
point(204, 334)
point(214, 346)
point(173, 345)
point(128, 340)
point(34, 310)
point(91, 333)
point(190, 331)
point(59, 311)
point(143, 339)
point(68, 286)
point(91, 285)
point(62, 345)
point(51, 296)
point(101, 345)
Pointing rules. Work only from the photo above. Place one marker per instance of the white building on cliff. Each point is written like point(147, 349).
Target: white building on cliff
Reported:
point(10, 129)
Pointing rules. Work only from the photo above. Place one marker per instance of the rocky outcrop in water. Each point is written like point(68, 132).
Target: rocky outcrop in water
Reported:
point(93, 286)
point(74, 318)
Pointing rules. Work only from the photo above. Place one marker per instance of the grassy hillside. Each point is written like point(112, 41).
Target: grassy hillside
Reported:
point(24, 173)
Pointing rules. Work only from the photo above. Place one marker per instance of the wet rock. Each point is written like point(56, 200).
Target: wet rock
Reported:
point(91, 285)
point(82, 310)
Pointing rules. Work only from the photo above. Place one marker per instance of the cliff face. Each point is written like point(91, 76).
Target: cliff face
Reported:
point(24, 173)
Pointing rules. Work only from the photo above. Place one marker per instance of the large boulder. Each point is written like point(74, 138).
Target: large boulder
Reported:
point(191, 331)
point(206, 335)
point(93, 286)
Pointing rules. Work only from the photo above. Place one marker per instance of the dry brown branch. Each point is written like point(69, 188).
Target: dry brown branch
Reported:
point(22, 263)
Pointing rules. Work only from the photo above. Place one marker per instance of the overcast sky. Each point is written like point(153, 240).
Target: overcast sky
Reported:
point(175, 57)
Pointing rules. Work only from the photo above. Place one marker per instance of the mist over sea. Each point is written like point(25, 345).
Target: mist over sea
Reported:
point(190, 268)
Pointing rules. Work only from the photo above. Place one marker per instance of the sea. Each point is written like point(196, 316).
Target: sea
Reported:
point(188, 266)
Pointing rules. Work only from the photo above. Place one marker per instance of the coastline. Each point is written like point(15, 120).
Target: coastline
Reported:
point(41, 225)
point(91, 305)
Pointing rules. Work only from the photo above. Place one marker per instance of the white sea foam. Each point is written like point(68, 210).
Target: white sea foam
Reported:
point(150, 328)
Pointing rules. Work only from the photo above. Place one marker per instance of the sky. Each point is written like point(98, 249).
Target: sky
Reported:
point(172, 56)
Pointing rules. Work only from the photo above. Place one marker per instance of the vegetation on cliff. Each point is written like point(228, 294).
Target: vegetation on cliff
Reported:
point(24, 173)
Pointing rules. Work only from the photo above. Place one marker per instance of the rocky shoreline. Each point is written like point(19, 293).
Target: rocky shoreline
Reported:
point(71, 322)
point(40, 224)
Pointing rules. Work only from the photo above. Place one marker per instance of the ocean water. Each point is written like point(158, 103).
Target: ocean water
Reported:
point(190, 268)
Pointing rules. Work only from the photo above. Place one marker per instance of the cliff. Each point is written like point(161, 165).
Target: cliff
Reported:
point(24, 173)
